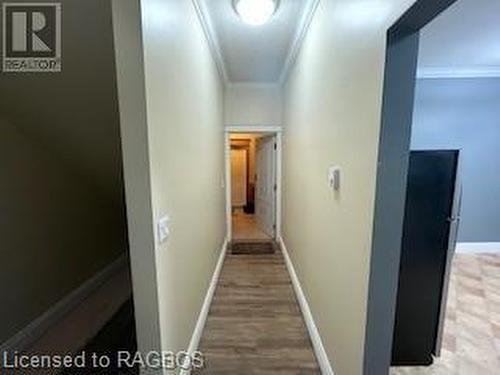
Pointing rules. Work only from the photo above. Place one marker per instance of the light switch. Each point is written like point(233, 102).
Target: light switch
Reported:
point(163, 229)
point(334, 178)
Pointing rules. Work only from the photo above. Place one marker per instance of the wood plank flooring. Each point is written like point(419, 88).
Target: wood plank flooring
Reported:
point(471, 342)
point(255, 325)
point(245, 227)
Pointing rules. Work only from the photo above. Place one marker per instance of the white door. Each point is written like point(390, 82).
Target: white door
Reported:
point(265, 189)
point(238, 177)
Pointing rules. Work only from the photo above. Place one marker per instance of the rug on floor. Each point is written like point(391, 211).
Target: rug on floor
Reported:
point(249, 247)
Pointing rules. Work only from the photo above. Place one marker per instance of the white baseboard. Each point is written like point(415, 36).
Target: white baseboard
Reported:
point(205, 308)
point(478, 247)
point(319, 349)
point(33, 331)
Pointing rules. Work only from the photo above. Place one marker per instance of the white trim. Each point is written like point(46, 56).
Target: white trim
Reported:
point(436, 73)
point(477, 247)
point(279, 182)
point(213, 41)
point(253, 129)
point(211, 35)
point(304, 24)
point(269, 129)
point(227, 177)
point(205, 308)
point(252, 84)
point(317, 343)
point(33, 331)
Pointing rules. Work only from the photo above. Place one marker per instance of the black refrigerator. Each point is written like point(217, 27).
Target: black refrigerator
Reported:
point(428, 244)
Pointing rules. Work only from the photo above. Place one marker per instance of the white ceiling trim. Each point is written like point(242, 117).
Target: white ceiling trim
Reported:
point(253, 129)
point(213, 42)
point(305, 22)
point(473, 72)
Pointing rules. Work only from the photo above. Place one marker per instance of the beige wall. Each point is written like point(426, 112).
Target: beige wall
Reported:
point(253, 104)
point(332, 113)
point(185, 152)
point(134, 131)
point(57, 231)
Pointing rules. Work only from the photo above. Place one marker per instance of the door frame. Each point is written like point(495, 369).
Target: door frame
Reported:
point(253, 129)
point(392, 172)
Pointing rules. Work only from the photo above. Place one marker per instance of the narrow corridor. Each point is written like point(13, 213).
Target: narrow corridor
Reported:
point(255, 325)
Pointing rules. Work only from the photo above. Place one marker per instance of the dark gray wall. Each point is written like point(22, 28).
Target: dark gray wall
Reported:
point(75, 113)
point(465, 114)
point(400, 72)
point(62, 213)
point(56, 231)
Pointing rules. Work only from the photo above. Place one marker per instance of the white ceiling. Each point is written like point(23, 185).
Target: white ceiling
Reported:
point(463, 41)
point(255, 54)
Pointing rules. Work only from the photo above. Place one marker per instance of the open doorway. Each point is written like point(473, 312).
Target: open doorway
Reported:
point(455, 113)
point(253, 189)
point(253, 186)
point(438, 159)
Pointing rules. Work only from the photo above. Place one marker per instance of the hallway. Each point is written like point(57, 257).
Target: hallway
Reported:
point(228, 188)
point(255, 325)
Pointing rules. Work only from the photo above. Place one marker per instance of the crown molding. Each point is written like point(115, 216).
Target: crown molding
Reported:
point(253, 84)
point(465, 72)
point(213, 42)
point(304, 24)
point(253, 128)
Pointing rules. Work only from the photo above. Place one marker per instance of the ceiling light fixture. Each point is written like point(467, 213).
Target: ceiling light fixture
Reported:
point(255, 12)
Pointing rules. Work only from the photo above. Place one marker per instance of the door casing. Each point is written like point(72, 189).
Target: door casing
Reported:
point(265, 184)
point(393, 156)
point(253, 129)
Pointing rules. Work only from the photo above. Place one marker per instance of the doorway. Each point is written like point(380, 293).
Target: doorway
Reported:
point(252, 194)
point(393, 161)
point(446, 113)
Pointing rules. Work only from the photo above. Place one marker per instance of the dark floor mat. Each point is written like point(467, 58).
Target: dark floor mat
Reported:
point(253, 247)
point(117, 335)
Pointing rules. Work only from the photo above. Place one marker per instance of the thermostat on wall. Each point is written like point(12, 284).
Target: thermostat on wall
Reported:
point(334, 178)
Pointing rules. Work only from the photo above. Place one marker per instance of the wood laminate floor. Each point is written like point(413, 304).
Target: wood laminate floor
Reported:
point(471, 341)
point(245, 227)
point(255, 325)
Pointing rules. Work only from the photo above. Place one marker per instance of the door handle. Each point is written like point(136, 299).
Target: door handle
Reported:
point(453, 219)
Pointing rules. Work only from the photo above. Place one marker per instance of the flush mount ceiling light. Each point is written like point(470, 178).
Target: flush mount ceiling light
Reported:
point(255, 12)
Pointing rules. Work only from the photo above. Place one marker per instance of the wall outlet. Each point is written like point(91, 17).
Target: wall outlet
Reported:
point(163, 229)
point(334, 178)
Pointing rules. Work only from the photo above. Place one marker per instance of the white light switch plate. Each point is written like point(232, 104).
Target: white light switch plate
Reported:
point(163, 229)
